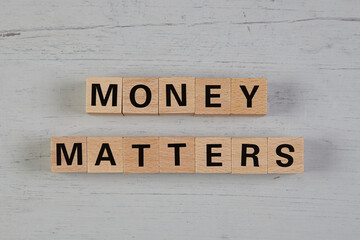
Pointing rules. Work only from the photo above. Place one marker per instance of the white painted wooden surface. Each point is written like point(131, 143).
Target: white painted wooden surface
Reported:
point(308, 50)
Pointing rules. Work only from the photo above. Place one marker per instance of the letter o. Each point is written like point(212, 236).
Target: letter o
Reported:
point(148, 96)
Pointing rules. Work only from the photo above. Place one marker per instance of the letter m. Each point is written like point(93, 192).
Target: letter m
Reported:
point(60, 147)
point(97, 88)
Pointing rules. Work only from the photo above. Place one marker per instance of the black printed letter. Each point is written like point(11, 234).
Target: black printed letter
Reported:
point(177, 147)
point(60, 147)
point(170, 88)
point(148, 96)
point(248, 96)
point(112, 88)
point(105, 146)
point(209, 154)
point(245, 155)
point(141, 152)
point(284, 155)
point(208, 96)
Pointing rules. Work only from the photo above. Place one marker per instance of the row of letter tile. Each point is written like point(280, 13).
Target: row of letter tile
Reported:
point(177, 155)
point(183, 95)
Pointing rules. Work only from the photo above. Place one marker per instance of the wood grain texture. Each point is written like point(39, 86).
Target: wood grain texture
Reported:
point(309, 52)
point(146, 95)
point(179, 84)
point(212, 155)
point(109, 151)
point(185, 153)
point(256, 146)
point(293, 147)
point(212, 96)
point(141, 155)
point(114, 99)
point(71, 152)
point(256, 90)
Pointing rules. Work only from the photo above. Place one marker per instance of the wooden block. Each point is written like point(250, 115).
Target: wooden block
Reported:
point(105, 154)
point(212, 96)
point(68, 154)
point(177, 95)
point(285, 155)
point(249, 155)
point(141, 96)
point(177, 154)
point(141, 155)
point(104, 95)
point(248, 96)
point(213, 155)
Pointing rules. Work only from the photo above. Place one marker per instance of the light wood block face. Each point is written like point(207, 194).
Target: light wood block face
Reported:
point(177, 154)
point(248, 96)
point(249, 155)
point(213, 155)
point(104, 95)
point(177, 95)
point(286, 155)
point(105, 154)
point(140, 96)
point(212, 96)
point(141, 155)
point(68, 154)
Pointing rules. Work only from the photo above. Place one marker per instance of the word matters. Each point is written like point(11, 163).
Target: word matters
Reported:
point(177, 155)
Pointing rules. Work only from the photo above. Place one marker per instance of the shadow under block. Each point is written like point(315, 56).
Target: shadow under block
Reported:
point(213, 155)
point(104, 95)
point(212, 96)
point(105, 154)
point(177, 154)
point(285, 155)
point(141, 155)
point(177, 95)
point(68, 154)
point(249, 155)
point(248, 96)
point(140, 96)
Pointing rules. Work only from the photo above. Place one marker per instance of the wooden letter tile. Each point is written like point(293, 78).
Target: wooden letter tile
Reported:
point(249, 155)
point(177, 95)
point(213, 155)
point(104, 95)
point(177, 154)
point(141, 155)
point(68, 154)
point(285, 155)
point(105, 154)
point(248, 96)
point(141, 96)
point(212, 96)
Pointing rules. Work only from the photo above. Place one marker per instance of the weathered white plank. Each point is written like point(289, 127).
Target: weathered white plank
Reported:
point(308, 50)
